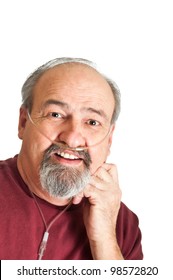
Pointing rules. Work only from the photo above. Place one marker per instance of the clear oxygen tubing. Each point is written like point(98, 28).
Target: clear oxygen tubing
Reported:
point(45, 237)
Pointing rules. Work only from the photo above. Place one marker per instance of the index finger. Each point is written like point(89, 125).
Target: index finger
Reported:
point(112, 170)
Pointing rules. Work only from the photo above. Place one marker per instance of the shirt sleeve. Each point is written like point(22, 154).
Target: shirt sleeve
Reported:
point(129, 234)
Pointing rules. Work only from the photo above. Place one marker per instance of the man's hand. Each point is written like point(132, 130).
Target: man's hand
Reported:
point(101, 211)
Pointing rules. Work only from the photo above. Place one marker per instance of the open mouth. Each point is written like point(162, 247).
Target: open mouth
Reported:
point(66, 155)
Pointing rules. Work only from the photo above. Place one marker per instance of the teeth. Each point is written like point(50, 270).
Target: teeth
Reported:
point(66, 155)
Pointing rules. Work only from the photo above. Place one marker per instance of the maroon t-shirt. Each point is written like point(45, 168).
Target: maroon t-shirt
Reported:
point(22, 227)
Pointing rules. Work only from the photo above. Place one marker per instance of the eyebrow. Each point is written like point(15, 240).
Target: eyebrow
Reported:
point(55, 102)
point(99, 112)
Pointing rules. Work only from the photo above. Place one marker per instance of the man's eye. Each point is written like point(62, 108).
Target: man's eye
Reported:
point(93, 123)
point(55, 115)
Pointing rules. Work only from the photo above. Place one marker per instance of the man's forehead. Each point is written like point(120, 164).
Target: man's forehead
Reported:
point(75, 80)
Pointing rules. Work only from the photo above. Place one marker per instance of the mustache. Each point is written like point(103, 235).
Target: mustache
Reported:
point(84, 155)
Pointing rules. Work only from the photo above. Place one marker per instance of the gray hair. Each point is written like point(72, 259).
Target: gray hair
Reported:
point(27, 89)
point(63, 181)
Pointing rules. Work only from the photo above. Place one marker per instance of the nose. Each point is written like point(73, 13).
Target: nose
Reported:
point(72, 135)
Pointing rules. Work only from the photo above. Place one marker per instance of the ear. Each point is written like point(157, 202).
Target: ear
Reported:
point(110, 137)
point(23, 117)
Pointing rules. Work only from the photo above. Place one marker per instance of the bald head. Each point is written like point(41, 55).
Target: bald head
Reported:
point(80, 74)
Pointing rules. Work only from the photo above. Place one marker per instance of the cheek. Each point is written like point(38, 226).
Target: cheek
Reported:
point(98, 157)
point(34, 143)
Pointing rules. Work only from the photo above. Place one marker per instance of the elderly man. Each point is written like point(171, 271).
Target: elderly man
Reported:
point(59, 198)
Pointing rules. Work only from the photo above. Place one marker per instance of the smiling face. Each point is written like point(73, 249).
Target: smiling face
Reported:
point(72, 105)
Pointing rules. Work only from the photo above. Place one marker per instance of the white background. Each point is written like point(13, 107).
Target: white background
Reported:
point(132, 42)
